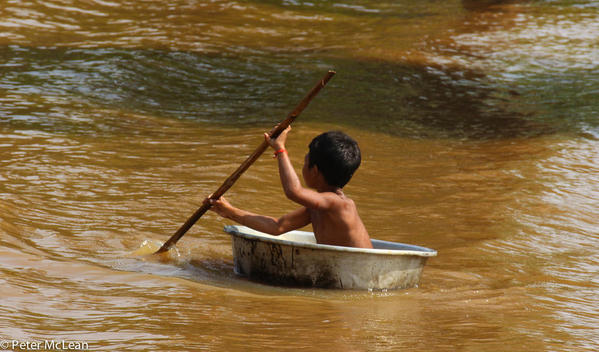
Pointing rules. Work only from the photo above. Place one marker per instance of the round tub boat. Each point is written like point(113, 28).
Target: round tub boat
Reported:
point(295, 259)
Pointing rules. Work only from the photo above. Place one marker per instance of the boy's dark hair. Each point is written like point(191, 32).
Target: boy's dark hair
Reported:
point(337, 156)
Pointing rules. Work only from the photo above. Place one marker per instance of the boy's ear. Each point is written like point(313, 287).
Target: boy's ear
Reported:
point(314, 169)
point(317, 174)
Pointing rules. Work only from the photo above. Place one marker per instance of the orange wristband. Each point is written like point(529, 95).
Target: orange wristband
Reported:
point(280, 151)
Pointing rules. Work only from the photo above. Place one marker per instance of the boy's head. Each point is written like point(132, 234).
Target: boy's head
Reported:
point(337, 156)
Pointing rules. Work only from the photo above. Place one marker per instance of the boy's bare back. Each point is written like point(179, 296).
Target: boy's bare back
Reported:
point(340, 225)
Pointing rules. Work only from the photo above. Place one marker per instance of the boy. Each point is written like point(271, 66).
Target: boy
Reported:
point(330, 163)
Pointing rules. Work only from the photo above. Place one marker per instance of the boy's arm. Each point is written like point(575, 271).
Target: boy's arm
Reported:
point(289, 180)
point(291, 221)
point(294, 189)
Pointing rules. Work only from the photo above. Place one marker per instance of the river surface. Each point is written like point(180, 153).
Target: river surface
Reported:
point(479, 128)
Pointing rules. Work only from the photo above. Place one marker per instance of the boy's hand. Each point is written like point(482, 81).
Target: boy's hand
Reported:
point(279, 142)
point(220, 206)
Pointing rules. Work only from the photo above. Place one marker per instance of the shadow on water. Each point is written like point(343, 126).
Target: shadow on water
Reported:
point(409, 99)
point(396, 9)
point(428, 102)
point(484, 5)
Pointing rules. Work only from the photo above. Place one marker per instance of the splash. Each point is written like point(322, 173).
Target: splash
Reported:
point(148, 248)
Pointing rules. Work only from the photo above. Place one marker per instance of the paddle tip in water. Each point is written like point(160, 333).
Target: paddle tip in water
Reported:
point(150, 247)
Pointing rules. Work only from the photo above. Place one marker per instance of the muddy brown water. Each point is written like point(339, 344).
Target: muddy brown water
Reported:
point(479, 134)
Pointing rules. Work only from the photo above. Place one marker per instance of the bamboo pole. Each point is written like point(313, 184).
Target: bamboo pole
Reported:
point(228, 183)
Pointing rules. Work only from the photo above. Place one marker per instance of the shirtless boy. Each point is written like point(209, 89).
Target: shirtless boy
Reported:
point(332, 159)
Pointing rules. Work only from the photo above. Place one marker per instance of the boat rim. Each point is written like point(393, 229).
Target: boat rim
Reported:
point(236, 230)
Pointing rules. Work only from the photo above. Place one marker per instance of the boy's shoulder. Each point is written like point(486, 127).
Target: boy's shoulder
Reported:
point(338, 200)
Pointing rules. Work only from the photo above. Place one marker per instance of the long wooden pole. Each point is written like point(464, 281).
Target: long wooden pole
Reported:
point(246, 164)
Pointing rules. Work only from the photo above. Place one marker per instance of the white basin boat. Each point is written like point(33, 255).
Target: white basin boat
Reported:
point(295, 259)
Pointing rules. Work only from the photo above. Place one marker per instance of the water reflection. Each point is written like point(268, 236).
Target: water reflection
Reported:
point(462, 76)
point(418, 101)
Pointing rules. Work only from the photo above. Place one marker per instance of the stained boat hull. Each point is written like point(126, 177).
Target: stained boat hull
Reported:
point(295, 259)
